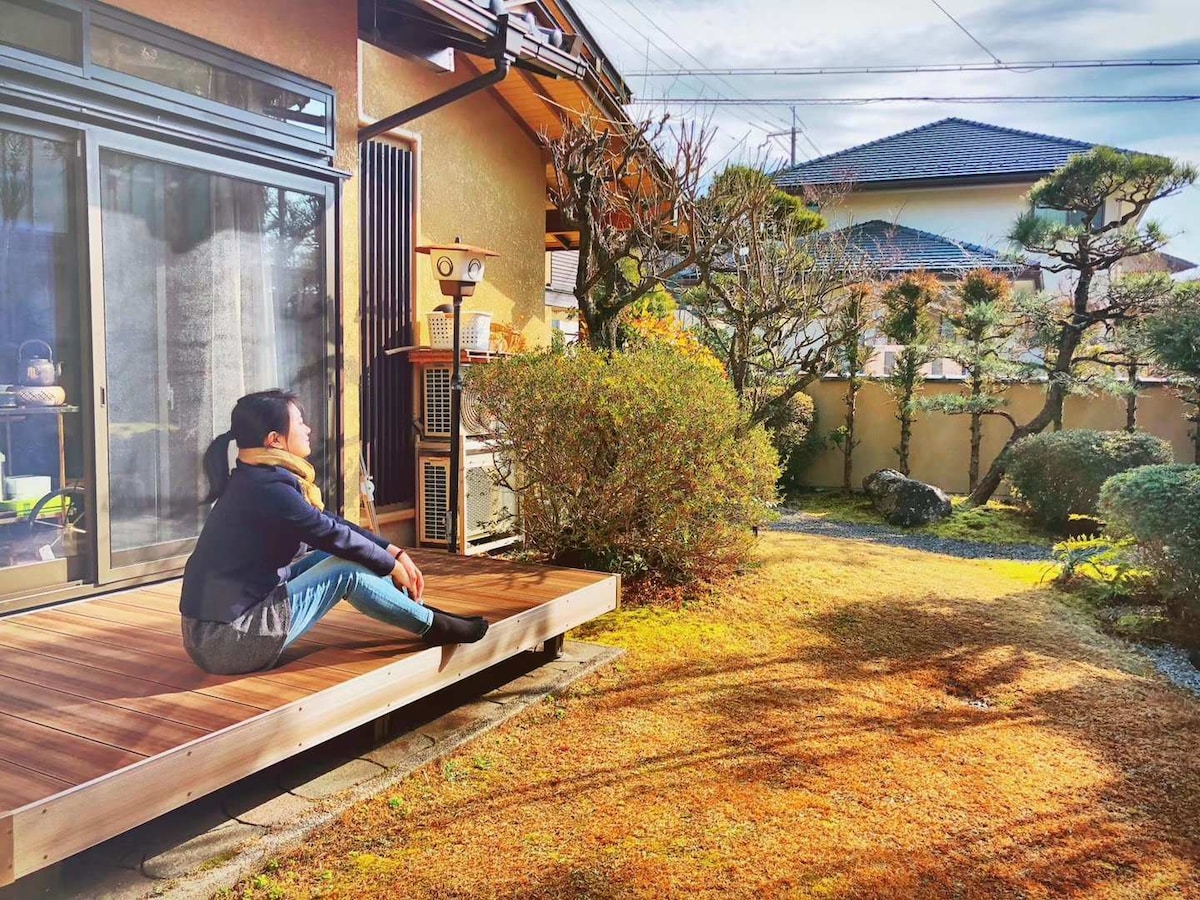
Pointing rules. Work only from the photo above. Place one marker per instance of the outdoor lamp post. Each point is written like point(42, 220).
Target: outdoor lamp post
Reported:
point(458, 267)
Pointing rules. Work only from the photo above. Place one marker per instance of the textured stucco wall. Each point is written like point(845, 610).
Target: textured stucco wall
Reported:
point(481, 178)
point(941, 444)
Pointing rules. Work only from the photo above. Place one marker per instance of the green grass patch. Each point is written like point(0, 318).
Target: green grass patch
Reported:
point(994, 523)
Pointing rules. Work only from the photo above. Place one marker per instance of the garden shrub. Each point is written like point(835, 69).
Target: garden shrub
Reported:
point(640, 462)
point(1159, 506)
point(1060, 473)
point(793, 431)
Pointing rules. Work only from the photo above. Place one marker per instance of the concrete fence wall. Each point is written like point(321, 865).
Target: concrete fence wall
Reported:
point(941, 444)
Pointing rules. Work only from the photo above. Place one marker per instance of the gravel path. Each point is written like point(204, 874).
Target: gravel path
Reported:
point(1173, 664)
point(806, 523)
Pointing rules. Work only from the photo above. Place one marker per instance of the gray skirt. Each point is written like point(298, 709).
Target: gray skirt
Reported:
point(251, 642)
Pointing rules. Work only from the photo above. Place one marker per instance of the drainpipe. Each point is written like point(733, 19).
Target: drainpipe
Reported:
point(508, 39)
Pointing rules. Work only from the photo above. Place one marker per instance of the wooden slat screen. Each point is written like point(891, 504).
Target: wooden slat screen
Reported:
point(387, 219)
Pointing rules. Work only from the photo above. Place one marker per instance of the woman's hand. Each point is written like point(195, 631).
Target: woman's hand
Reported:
point(405, 574)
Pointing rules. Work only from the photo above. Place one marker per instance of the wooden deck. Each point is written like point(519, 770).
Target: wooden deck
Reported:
point(105, 723)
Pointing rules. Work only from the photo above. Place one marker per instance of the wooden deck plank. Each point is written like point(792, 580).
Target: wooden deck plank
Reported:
point(105, 637)
point(185, 707)
point(19, 785)
point(59, 754)
point(49, 830)
point(115, 725)
point(256, 691)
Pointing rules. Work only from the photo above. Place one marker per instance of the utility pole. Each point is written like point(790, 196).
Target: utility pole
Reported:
point(793, 136)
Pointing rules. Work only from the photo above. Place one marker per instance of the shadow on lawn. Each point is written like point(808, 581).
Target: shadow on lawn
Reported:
point(1017, 663)
point(1060, 768)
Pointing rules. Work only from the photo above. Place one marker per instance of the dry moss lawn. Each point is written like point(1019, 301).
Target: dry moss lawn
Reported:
point(847, 721)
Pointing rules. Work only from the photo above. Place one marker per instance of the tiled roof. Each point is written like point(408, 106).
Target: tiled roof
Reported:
point(949, 148)
point(897, 248)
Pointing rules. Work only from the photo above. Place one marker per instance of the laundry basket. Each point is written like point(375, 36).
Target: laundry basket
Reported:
point(476, 330)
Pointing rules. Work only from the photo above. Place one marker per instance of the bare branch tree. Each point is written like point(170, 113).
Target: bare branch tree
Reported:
point(632, 191)
point(771, 289)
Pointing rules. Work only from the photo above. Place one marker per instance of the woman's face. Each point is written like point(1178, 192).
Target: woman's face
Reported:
point(296, 440)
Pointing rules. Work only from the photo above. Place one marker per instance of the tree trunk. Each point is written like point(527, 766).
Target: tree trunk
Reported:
point(976, 429)
point(1196, 431)
point(976, 441)
point(848, 446)
point(906, 420)
point(1131, 401)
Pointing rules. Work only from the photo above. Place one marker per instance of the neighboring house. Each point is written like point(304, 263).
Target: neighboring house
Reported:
point(942, 197)
point(195, 207)
point(963, 181)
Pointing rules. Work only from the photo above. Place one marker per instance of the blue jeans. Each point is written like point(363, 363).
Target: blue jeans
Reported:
point(320, 581)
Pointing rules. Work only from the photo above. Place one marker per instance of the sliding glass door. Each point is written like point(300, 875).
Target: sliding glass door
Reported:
point(214, 284)
point(44, 494)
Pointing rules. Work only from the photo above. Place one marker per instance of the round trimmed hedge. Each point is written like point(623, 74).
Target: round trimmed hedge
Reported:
point(1159, 506)
point(1060, 473)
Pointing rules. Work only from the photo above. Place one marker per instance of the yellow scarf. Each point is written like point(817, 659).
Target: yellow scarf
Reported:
point(298, 466)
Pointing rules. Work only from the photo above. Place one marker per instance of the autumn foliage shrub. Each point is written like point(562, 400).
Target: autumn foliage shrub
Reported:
point(1159, 506)
point(639, 462)
point(1060, 473)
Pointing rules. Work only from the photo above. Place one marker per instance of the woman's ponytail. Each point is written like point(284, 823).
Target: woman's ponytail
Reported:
point(216, 465)
point(253, 418)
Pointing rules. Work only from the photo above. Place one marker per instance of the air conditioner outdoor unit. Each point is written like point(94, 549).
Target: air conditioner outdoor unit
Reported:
point(488, 511)
point(435, 406)
point(433, 490)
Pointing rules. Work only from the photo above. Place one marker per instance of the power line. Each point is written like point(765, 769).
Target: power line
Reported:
point(733, 88)
point(853, 101)
point(963, 29)
point(634, 29)
point(1033, 66)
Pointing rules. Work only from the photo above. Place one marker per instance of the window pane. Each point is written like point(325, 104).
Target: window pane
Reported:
point(42, 495)
point(213, 287)
point(198, 78)
point(41, 28)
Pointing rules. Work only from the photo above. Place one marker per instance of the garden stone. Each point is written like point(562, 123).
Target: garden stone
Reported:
point(905, 501)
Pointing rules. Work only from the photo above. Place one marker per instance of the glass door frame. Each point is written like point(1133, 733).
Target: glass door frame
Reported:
point(95, 140)
point(51, 575)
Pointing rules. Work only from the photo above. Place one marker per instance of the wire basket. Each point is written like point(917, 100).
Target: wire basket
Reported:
point(476, 330)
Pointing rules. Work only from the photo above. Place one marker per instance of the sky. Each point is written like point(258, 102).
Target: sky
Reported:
point(672, 34)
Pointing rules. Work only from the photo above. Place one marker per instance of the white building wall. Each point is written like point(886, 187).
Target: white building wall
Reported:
point(982, 214)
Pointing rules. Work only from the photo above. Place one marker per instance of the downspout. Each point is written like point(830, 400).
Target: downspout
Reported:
point(508, 38)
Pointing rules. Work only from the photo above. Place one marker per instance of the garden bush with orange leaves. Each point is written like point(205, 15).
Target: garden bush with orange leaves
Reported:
point(640, 462)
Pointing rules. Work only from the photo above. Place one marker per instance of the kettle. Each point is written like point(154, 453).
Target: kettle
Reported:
point(36, 371)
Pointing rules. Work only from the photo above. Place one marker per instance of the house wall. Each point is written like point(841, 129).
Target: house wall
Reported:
point(941, 444)
point(981, 214)
point(481, 177)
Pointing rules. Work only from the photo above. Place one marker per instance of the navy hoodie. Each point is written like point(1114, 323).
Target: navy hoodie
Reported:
point(253, 533)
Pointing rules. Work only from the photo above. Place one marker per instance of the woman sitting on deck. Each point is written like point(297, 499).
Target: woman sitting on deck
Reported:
point(270, 561)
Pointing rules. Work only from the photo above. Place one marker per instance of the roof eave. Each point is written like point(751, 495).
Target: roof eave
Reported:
point(1029, 176)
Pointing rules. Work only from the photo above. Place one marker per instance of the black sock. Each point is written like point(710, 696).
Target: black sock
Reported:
point(447, 629)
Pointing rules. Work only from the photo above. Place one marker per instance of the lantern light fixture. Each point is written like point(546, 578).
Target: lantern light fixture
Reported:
point(458, 268)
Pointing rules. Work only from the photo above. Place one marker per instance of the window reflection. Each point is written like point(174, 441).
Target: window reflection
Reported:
point(132, 56)
point(42, 494)
point(41, 28)
point(213, 288)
